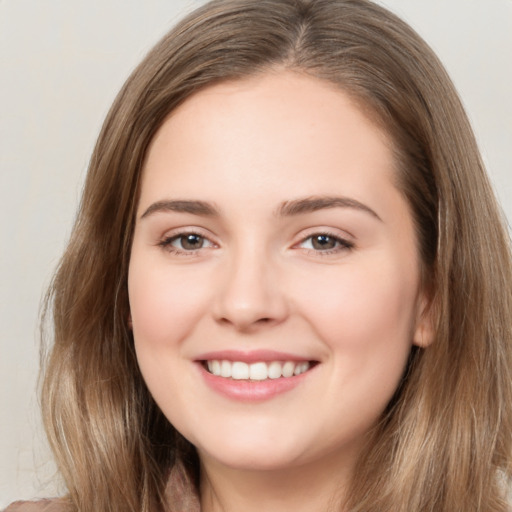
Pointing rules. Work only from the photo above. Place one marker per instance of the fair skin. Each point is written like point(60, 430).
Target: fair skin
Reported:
point(269, 230)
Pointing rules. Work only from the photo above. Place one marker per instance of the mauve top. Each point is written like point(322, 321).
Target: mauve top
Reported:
point(56, 505)
point(178, 492)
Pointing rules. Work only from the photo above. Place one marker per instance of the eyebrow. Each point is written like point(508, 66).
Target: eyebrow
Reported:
point(315, 203)
point(286, 209)
point(182, 206)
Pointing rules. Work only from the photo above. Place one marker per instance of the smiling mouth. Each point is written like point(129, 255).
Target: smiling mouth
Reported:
point(259, 371)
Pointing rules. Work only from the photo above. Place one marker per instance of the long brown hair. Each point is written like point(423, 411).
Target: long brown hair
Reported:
point(444, 443)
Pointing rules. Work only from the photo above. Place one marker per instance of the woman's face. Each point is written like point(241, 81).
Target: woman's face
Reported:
point(274, 273)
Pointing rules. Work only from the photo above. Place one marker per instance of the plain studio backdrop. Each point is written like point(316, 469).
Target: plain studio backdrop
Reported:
point(61, 64)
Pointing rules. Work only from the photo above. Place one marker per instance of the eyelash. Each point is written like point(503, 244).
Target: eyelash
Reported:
point(166, 243)
point(341, 244)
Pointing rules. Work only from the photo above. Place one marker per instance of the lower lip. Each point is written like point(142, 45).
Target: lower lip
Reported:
point(252, 390)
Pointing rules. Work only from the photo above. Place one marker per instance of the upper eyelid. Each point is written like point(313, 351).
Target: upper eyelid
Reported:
point(185, 230)
point(324, 230)
point(166, 244)
point(170, 235)
point(169, 242)
point(341, 240)
point(301, 236)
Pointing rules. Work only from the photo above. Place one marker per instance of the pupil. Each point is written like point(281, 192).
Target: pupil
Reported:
point(323, 242)
point(191, 242)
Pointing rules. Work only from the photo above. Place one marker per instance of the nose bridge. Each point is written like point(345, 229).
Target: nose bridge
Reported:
point(250, 293)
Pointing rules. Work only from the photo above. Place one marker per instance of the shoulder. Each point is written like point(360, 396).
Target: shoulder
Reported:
point(54, 505)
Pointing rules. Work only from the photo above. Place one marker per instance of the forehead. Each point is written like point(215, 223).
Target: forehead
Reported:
point(272, 133)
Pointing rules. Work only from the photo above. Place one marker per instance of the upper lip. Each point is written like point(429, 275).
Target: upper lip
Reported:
point(253, 356)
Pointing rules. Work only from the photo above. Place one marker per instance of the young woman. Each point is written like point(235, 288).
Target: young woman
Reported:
point(289, 285)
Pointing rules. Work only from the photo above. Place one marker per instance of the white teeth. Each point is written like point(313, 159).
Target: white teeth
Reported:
point(225, 369)
point(258, 371)
point(288, 368)
point(239, 370)
point(275, 370)
point(301, 368)
point(214, 367)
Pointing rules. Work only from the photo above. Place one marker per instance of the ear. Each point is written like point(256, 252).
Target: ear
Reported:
point(424, 331)
point(130, 323)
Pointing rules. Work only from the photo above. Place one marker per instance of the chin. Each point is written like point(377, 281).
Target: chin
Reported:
point(256, 452)
point(248, 459)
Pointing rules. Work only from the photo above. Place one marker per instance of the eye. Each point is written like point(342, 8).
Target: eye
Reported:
point(189, 242)
point(325, 243)
point(186, 243)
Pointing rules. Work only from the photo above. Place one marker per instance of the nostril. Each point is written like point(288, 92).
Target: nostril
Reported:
point(260, 320)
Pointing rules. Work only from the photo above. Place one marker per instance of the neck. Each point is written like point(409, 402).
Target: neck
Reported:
point(318, 487)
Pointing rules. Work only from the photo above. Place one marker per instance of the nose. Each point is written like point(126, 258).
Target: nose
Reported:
point(250, 294)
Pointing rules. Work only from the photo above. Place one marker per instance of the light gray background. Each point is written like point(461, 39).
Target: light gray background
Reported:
point(61, 64)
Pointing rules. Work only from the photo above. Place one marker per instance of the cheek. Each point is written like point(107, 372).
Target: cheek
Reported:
point(366, 322)
point(165, 308)
point(165, 304)
point(363, 309)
